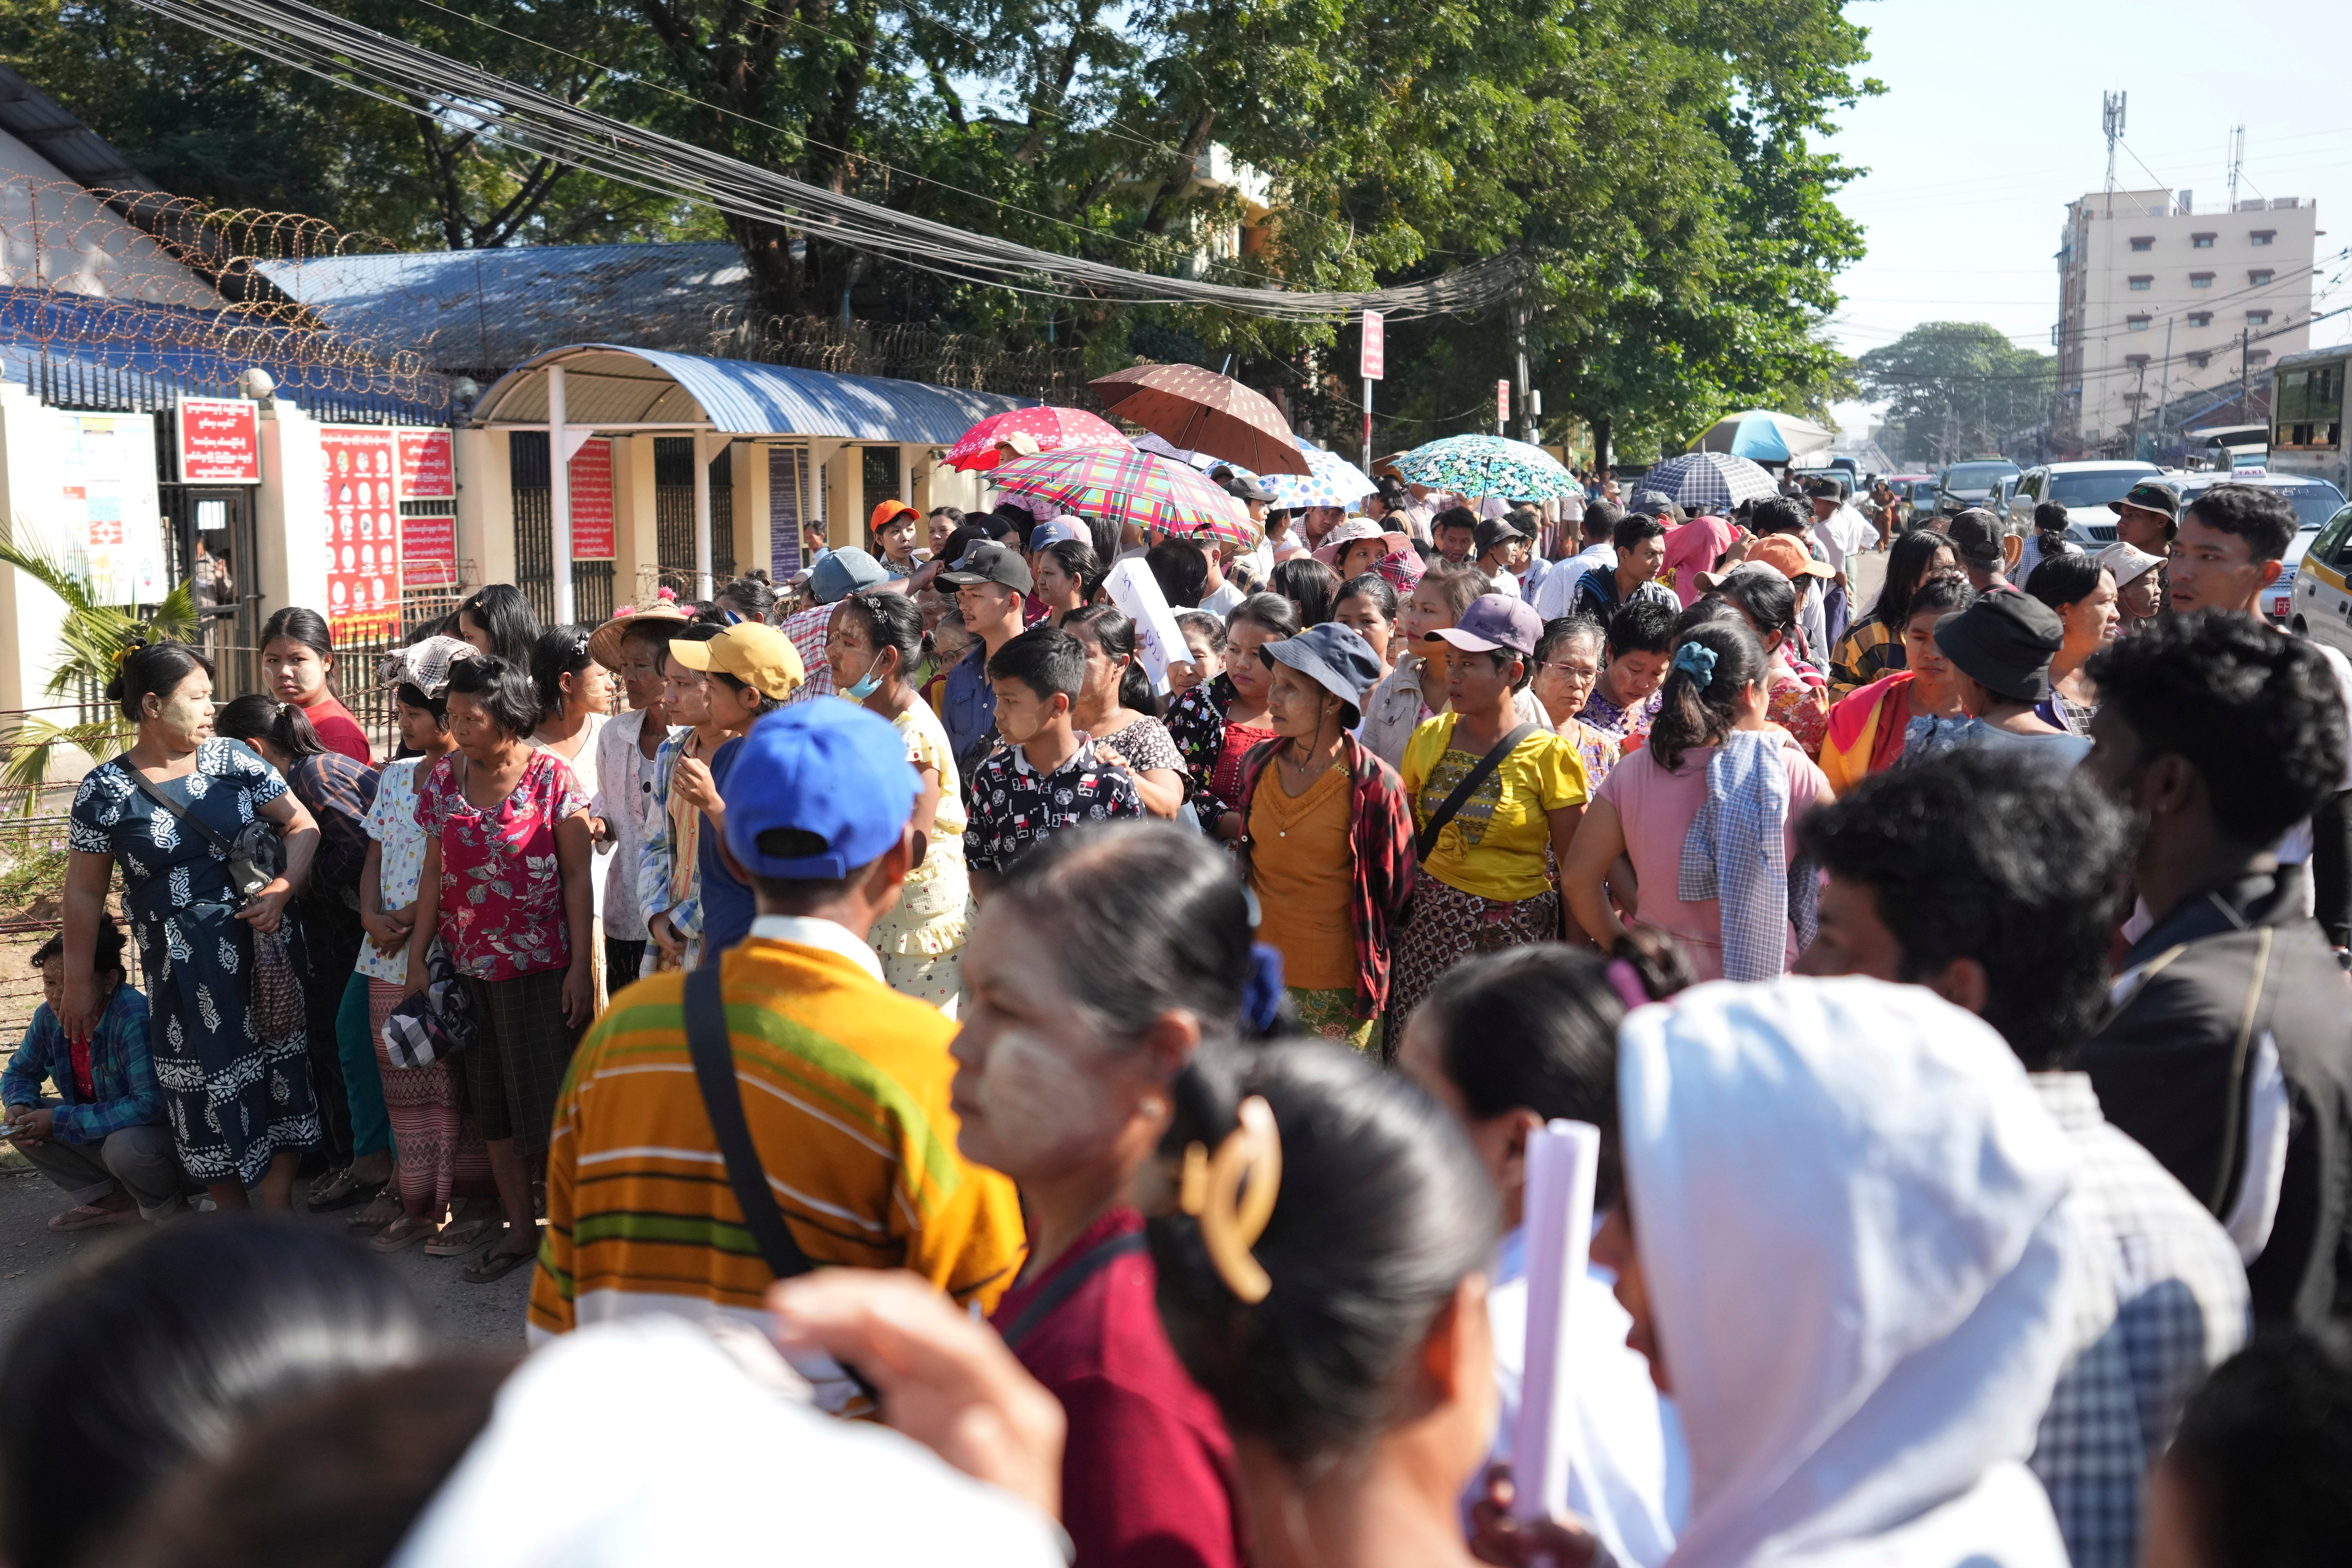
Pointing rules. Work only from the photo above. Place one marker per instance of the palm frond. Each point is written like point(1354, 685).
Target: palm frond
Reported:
point(29, 748)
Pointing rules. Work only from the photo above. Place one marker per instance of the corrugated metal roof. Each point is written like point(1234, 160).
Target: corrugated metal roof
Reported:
point(610, 384)
point(490, 310)
point(42, 124)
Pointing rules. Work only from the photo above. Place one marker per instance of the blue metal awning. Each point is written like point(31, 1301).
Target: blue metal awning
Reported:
point(612, 385)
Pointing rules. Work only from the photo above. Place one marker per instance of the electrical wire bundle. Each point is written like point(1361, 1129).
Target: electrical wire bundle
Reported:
point(321, 43)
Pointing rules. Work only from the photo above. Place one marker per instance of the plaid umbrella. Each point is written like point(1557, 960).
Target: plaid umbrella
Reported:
point(1051, 427)
point(1708, 482)
point(1331, 481)
point(1202, 411)
point(1129, 487)
point(1480, 466)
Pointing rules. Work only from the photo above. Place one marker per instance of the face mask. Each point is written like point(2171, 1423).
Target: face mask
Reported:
point(866, 687)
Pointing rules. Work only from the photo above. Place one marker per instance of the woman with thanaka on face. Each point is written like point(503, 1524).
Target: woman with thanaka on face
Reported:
point(575, 695)
point(710, 711)
point(1115, 707)
point(1872, 1408)
point(1346, 1341)
point(634, 648)
point(1066, 1072)
point(1568, 667)
point(1486, 876)
point(1414, 690)
point(1328, 849)
point(501, 814)
point(1067, 574)
point(873, 641)
point(240, 1099)
point(1368, 606)
point(1714, 754)
point(1875, 647)
point(751, 670)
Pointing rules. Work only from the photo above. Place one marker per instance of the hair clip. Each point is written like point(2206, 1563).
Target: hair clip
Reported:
point(123, 655)
point(1624, 980)
point(1231, 1216)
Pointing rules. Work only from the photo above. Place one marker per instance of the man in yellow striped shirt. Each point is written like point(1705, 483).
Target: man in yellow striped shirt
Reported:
point(844, 1081)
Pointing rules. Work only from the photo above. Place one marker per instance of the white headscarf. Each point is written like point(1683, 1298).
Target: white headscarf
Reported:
point(1847, 1203)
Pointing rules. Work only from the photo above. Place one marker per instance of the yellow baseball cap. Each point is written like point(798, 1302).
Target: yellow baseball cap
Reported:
point(760, 656)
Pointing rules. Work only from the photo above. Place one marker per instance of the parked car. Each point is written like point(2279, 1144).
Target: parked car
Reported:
point(1914, 498)
point(1964, 485)
point(2316, 504)
point(2084, 488)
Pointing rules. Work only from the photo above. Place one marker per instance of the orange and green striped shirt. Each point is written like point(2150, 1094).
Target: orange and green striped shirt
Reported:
point(844, 1086)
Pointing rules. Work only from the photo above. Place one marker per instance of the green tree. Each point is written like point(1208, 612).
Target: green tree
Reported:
point(1954, 389)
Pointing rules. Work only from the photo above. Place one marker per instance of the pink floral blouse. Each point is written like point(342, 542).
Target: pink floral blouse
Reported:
point(502, 891)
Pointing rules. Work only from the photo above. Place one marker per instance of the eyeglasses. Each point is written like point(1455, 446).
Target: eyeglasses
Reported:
point(1589, 672)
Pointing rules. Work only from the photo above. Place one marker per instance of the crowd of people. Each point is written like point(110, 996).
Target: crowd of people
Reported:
point(890, 998)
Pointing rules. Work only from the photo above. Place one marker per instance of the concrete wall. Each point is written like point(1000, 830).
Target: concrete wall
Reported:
point(29, 613)
point(637, 545)
point(486, 551)
point(290, 512)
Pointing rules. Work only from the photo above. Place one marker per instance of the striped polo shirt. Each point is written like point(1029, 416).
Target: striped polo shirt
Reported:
point(844, 1086)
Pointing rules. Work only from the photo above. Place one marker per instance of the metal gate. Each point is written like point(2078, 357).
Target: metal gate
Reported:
point(534, 537)
point(674, 514)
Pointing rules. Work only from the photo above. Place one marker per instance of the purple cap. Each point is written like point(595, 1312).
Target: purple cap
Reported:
point(1496, 621)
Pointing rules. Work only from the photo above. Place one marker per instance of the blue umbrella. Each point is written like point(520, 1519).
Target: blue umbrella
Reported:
point(1764, 436)
point(1704, 483)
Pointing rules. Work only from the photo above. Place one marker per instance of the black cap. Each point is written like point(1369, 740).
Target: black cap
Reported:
point(2005, 643)
point(990, 564)
point(1334, 657)
point(2149, 496)
point(1658, 506)
point(1976, 538)
point(1825, 489)
point(1248, 490)
point(1493, 531)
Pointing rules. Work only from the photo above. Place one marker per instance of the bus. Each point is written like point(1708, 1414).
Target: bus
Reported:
point(2307, 416)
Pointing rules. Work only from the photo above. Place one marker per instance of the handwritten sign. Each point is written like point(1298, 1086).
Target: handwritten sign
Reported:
point(1158, 640)
point(220, 441)
point(362, 514)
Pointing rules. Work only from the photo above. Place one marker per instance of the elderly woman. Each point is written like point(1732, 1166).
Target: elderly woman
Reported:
point(1568, 667)
point(1328, 849)
point(223, 965)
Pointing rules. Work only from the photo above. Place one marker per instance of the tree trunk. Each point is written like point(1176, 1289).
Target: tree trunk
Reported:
point(1600, 445)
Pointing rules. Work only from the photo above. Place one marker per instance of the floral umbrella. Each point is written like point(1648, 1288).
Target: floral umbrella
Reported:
point(1481, 466)
point(1129, 487)
point(1331, 481)
point(1050, 427)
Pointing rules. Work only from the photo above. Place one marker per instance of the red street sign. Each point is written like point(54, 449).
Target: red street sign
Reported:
point(1374, 361)
point(220, 441)
point(1502, 403)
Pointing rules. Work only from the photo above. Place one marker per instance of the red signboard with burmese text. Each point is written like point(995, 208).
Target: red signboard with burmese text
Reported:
point(592, 501)
point(220, 441)
point(428, 544)
point(362, 513)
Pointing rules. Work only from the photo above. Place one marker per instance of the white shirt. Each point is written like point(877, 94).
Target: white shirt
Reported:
point(1842, 533)
point(1220, 603)
point(1556, 595)
point(825, 936)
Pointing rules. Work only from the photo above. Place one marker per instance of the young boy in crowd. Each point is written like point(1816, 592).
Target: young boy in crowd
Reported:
point(102, 1136)
point(1046, 777)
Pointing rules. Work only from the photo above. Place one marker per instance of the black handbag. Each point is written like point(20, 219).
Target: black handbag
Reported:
point(257, 857)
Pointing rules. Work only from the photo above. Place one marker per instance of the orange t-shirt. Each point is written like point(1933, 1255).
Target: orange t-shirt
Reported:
point(1303, 869)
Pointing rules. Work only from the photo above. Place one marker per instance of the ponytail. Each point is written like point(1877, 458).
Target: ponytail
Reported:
point(254, 717)
point(1698, 706)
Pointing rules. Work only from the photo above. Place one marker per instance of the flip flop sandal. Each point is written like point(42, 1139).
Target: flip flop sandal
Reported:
point(402, 1233)
point(381, 1212)
point(458, 1237)
point(90, 1217)
point(496, 1263)
point(342, 1192)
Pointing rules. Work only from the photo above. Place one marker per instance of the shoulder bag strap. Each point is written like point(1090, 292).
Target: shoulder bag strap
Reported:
point(723, 1100)
point(1425, 841)
point(1088, 1264)
point(156, 792)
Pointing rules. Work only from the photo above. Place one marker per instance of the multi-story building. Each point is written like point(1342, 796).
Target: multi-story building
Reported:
point(2159, 299)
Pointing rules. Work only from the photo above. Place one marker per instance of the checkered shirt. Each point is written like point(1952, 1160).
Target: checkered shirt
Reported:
point(2160, 1301)
point(807, 628)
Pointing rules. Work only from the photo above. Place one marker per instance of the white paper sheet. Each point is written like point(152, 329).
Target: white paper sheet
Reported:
point(1158, 640)
point(1562, 1160)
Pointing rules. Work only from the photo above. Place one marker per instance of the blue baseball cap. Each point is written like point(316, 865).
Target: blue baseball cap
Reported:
point(818, 790)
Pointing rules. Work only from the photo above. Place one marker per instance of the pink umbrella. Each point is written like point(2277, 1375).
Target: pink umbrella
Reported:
point(1050, 427)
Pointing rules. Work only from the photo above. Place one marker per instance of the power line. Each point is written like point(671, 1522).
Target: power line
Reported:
point(405, 75)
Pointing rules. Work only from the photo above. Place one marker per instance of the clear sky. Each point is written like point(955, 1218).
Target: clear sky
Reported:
point(1990, 126)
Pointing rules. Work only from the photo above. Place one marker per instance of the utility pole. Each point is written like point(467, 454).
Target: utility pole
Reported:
point(1520, 378)
point(2245, 341)
point(2164, 384)
point(2139, 400)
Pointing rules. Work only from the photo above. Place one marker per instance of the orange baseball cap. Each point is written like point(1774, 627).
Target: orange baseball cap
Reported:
point(890, 509)
point(1787, 555)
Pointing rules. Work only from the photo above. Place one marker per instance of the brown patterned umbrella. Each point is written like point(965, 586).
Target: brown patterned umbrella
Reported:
point(1204, 412)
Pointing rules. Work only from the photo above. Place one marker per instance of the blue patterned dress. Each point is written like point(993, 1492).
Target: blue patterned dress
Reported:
point(235, 1101)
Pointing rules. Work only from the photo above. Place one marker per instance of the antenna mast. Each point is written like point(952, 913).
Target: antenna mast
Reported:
point(2237, 161)
point(2111, 120)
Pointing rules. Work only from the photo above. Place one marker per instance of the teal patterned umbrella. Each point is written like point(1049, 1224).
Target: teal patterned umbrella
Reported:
point(1483, 466)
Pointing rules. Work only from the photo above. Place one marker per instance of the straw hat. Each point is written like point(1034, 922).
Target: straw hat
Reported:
point(604, 642)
